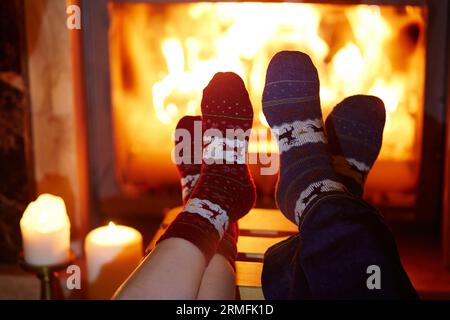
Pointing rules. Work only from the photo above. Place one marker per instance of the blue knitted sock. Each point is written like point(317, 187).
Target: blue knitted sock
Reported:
point(355, 133)
point(291, 105)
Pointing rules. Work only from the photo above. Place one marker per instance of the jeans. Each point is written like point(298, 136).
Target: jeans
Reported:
point(342, 243)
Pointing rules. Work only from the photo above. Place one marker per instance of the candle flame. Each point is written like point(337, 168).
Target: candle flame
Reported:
point(113, 234)
point(46, 214)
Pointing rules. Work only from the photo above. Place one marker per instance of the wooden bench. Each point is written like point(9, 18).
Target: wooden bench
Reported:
point(258, 230)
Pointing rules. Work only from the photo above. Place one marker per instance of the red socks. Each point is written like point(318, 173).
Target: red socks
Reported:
point(225, 190)
point(189, 167)
point(188, 161)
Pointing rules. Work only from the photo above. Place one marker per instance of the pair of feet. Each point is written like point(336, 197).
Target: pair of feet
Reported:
point(315, 159)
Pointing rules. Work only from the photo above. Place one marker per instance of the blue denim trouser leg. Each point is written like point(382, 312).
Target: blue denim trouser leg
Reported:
point(340, 238)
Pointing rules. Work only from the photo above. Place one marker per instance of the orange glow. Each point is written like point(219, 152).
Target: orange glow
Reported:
point(162, 56)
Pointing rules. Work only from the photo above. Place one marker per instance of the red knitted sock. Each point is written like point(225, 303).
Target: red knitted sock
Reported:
point(225, 190)
point(228, 245)
point(189, 172)
point(187, 158)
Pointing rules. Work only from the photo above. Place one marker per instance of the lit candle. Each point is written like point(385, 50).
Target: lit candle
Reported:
point(112, 253)
point(45, 229)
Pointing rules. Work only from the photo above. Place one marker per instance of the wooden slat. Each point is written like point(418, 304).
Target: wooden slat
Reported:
point(248, 280)
point(250, 293)
point(255, 247)
point(248, 274)
point(266, 220)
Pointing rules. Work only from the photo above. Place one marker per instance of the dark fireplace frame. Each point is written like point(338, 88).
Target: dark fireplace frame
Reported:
point(98, 114)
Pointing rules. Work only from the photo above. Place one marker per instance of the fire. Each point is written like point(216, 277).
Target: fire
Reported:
point(162, 56)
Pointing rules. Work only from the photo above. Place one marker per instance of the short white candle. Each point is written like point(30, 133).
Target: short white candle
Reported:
point(45, 229)
point(112, 253)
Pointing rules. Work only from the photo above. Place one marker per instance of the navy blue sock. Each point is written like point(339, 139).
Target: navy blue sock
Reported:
point(355, 132)
point(291, 105)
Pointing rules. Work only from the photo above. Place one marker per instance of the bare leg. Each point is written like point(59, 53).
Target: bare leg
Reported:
point(219, 280)
point(173, 270)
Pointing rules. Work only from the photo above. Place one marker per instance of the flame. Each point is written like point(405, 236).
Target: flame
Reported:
point(46, 214)
point(164, 55)
point(111, 226)
point(113, 235)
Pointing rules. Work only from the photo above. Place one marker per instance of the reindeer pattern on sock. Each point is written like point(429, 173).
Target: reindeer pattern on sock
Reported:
point(224, 150)
point(298, 133)
point(316, 129)
point(313, 191)
point(317, 190)
point(287, 135)
point(359, 167)
point(211, 211)
point(188, 183)
point(352, 168)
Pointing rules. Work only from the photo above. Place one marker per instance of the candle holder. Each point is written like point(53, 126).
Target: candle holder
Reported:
point(48, 276)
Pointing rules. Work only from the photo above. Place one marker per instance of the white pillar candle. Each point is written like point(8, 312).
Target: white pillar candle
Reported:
point(45, 229)
point(112, 253)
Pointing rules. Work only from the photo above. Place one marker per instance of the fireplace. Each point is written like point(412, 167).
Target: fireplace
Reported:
point(92, 121)
point(163, 55)
point(147, 62)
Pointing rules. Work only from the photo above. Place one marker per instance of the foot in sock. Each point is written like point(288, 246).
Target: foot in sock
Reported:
point(355, 132)
point(228, 245)
point(187, 160)
point(291, 105)
point(189, 171)
point(225, 190)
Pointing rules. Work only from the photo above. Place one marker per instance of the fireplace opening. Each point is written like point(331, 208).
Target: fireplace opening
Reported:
point(92, 122)
point(163, 55)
